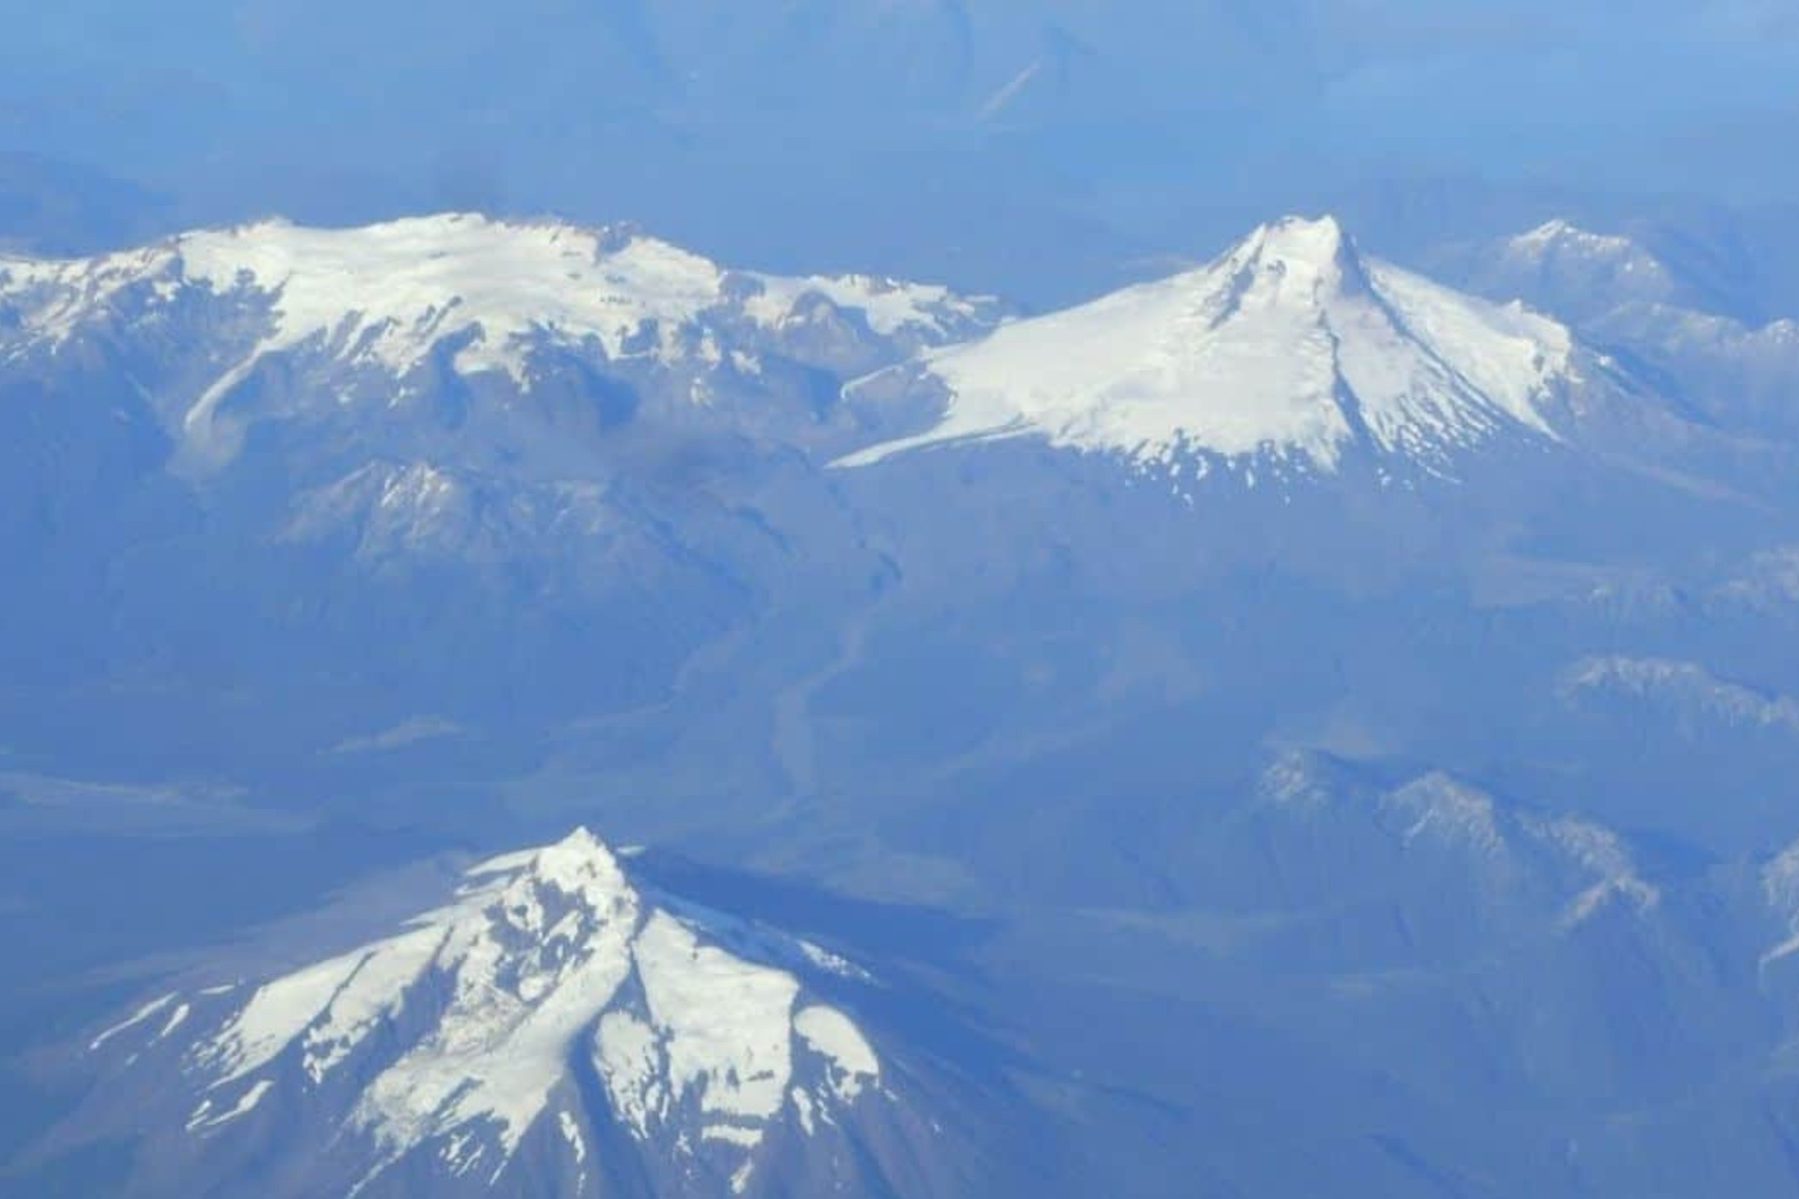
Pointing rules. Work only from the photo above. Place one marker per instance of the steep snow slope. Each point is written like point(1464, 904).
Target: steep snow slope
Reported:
point(1291, 345)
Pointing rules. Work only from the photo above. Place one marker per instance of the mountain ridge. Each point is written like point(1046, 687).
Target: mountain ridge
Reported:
point(384, 313)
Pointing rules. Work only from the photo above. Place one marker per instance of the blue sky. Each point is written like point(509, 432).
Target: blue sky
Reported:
point(1057, 117)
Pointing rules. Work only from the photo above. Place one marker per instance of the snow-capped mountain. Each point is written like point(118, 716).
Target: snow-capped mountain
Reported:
point(387, 294)
point(1292, 346)
point(384, 319)
point(530, 401)
point(553, 1028)
point(989, 717)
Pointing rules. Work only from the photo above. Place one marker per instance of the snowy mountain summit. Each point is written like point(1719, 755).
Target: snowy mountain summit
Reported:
point(552, 1026)
point(275, 322)
point(1293, 346)
point(388, 293)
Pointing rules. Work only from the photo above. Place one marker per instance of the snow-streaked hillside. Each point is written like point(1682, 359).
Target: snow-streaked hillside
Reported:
point(1292, 345)
point(1574, 272)
point(1698, 336)
point(553, 1020)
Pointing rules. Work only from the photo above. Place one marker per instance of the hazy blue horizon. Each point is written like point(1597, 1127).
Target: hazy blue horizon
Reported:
point(930, 138)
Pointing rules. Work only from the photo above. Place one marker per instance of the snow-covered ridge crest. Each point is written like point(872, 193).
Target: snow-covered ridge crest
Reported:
point(1578, 867)
point(1688, 687)
point(385, 294)
point(1575, 272)
point(1561, 233)
point(380, 324)
point(1292, 344)
point(470, 1028)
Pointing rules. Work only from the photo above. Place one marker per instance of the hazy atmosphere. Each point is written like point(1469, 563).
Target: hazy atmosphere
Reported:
point(932, 138)
point(654, 598)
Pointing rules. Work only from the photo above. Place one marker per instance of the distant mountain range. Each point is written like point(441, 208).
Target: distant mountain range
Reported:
point(1292, 694)
point(1677, 321)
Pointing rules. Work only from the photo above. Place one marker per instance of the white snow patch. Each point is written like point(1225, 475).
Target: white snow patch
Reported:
point(176, 1019)
point(205, 1119)
point(726, 1021)
point(1780, 887)
point(385, 294)
point(132, 1021)
point(374, 992)
point(1600, 852)
point(746, 1138)
point(571, 1132)
point(802, 1105)
point(837, 964)
point(276, 1014)
point(629, 1057)
point(889, 306)
point(831, 1034)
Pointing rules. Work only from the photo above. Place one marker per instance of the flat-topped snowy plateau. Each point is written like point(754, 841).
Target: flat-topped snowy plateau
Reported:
point(226, 329)
point(388, 294)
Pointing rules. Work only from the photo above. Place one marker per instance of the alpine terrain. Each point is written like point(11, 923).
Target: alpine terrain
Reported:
point(553, 1028)
point(1299, 725)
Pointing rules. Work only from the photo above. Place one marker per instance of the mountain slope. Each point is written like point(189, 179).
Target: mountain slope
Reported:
point(317, 427)
point(554, 1027)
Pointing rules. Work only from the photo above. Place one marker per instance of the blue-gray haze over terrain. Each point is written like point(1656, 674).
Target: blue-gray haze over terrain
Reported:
point(657, 598)
point(926, 138)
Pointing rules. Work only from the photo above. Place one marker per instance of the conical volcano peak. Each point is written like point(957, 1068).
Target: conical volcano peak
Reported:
point(1290, 345)
point(580, 863)
point(580, 866)
point(580, 849)
point(1314, 256)
point(1316, 242)
point(549, 1000)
